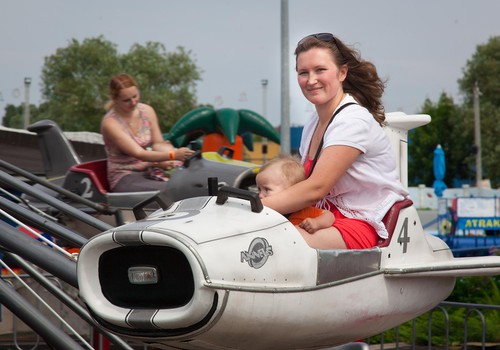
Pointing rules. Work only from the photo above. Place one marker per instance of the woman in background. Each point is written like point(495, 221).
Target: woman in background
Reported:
point(133, 140)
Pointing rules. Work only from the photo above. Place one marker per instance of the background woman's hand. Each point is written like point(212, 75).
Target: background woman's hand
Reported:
point(182, 153)
point(169, 164)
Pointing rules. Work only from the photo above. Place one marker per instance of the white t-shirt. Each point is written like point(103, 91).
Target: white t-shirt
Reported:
point(371, 185)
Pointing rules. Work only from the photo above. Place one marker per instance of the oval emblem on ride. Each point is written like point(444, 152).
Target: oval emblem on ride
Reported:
point(257, 253)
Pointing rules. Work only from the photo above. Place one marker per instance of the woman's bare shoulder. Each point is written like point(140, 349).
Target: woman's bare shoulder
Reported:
point(146, 108)
point(108, 122)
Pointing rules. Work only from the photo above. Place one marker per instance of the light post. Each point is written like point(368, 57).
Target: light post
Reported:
point(27, 83)
point(477, 136)
point(285, 81)
point(264, 83)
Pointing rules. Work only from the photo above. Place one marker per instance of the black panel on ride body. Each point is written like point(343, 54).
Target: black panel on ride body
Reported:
point(175, 286)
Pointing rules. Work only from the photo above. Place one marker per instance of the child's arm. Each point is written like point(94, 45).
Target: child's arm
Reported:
point(312, 225)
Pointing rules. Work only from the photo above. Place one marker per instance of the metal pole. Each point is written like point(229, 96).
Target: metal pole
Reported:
point(27, 83)
point(54, 202)
point(33, 219)
point(65, 298)
point(62, 191)
point(264, 83)
point(477, 136)
point(38, 253)
point(34, 318)
point(285, 84)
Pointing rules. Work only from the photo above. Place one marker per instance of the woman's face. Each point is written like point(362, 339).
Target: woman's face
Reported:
point(319, 77)
point(128, 99)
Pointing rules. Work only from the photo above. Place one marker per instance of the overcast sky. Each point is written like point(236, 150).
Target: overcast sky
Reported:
point(421, 46)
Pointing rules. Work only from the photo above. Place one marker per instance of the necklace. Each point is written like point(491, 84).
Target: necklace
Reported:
point(130, 121)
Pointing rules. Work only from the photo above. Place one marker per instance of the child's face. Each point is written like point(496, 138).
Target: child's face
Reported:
point(270, 181)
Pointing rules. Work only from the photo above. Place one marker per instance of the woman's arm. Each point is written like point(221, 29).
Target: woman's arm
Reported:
point(113, 130)
point(157, 137)
point(156, 134)
point(331, 166)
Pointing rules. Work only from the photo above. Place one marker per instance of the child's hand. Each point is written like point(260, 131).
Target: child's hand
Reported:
point(309, 225)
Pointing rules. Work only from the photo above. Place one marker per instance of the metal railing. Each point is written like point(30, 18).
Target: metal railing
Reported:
point(470, 310)
point(43, 266)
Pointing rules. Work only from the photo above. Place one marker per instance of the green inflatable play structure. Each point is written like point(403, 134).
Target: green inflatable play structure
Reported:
point(222, 127)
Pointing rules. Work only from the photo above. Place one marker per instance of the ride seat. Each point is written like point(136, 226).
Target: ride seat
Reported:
point(397, 127)
point(391, 219)
point(96, 171)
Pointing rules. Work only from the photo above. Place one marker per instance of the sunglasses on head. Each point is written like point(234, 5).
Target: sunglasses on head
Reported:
point(326, 37)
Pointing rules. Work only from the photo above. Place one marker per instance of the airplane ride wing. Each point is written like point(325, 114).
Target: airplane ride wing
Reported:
point(456, 267)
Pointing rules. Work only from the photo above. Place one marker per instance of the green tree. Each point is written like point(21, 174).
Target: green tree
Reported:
point(167, 80)
point(484, 69)
point(449, 128)
point(13, 117)
point(75, 82)
point(490, 131)
point(453, 125)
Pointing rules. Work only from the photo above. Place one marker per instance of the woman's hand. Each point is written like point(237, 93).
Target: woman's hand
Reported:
point(182, 153)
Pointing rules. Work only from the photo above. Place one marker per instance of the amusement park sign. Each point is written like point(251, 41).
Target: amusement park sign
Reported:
point(478, 213)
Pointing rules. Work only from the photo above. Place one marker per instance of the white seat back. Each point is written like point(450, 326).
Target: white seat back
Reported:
point(398, 125)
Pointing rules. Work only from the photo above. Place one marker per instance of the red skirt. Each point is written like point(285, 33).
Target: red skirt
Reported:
point(357, 234)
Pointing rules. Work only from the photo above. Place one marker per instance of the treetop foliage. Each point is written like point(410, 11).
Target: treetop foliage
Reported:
point(75, 82)
point(484, 68)
point(452, 126)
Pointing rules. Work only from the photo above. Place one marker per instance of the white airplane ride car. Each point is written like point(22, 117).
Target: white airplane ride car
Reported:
point(224, 272)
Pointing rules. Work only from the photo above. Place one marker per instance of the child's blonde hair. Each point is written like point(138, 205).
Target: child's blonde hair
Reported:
point(289, 165)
